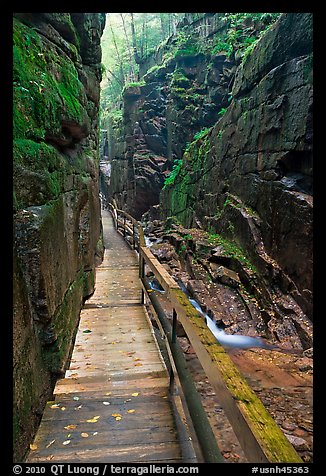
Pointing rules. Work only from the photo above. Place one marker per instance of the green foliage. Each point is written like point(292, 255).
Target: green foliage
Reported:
point(173, 174)
point(202, 133)
point(224, 46)
point(243, 31)
point(231, 249)
point(222, 111)
point(151, 31)
point(185, 45)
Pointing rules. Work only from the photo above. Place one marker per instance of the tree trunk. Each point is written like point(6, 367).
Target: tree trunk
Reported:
point(131, 61)
point(123, 80)
point(134, 43)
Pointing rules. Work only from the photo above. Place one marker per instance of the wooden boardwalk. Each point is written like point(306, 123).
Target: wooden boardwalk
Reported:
point(113, 404)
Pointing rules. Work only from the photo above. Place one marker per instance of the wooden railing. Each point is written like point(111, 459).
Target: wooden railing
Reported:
point(258, 434)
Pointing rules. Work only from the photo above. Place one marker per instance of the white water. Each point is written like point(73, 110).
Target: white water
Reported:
point(230, 340)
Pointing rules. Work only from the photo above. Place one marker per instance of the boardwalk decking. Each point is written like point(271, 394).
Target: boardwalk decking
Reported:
point(113, 404)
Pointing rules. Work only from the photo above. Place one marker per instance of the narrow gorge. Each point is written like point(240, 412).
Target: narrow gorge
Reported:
point(204, 135)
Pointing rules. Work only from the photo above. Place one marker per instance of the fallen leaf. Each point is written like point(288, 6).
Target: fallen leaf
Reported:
point(50, 403)
point(108, 393)
point(115, 415)
point(106, 403)
point(131, 411)
point(33, 447)
point(51, 443)
point(138, 364)
point(56, 405)
point(118, 418)
point(87, 331)
point(70, 427)
point(79, 407)
point(84, 435)
point(63, 408)
point(95, 433)
point(136, 358)
point(135, 394)
point(76, 398)
point(66, 442)
point(93, 420)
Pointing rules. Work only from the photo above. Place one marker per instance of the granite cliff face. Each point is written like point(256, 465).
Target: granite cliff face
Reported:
point(237, 130)
point(57, 226)
point(249, 178)
point(182, 89)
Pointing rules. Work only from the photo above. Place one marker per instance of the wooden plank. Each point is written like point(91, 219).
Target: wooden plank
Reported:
point(105, 438)
point(99, 381)
point(166, 452)
point(161, 274)
point(115, 369)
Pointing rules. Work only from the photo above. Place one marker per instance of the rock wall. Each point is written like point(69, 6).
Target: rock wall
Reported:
point(181, 91)
point(57, 223)
point(185, 87)
point(249, 178)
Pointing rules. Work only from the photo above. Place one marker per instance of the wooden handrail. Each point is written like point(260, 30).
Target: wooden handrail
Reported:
point(259, 436)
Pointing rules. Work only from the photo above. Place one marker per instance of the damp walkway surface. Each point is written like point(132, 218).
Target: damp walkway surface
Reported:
point(113, 405)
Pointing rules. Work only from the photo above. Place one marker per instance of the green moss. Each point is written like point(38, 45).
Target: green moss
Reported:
point(46, 88)
point(65, 324)
point(231, 249)
point(170, 179)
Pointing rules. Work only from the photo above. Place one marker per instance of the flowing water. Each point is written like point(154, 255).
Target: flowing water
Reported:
point(230, 341)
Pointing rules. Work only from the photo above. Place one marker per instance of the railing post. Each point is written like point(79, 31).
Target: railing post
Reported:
point(133, 236)
point(142, 275)
point(124, 226)
point(174, 326)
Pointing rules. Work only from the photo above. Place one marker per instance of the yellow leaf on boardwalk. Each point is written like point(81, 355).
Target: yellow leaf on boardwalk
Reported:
point(93, 420)
point(116, 415)
point(131, 411)
point(33, 447)
point(135, 394)
point(85, 435)
point(70, 427)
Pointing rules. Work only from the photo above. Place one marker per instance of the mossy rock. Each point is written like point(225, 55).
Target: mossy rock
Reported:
point(46, 87)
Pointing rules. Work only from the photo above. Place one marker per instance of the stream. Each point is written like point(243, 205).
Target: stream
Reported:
point(230, 341)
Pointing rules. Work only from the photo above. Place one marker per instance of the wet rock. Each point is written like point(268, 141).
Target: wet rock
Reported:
point(298, 443)
point(288, 425)
point(164, 252)
point(308, 353)
point(226, 276)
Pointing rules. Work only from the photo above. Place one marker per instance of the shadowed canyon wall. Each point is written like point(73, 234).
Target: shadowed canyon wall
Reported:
point(57, 223)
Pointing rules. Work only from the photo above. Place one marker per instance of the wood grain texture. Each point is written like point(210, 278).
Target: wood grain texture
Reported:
point(113, 403)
